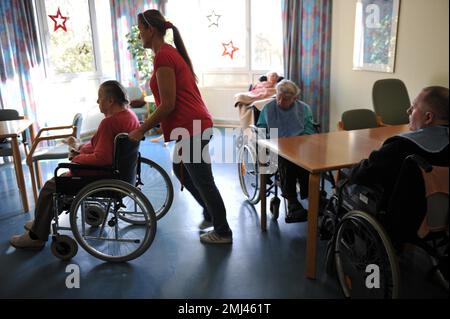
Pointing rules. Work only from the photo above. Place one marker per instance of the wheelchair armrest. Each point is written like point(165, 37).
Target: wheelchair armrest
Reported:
point(421, 162)
point(76, 166)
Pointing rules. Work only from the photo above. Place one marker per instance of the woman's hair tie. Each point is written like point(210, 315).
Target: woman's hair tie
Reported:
point(168, 25)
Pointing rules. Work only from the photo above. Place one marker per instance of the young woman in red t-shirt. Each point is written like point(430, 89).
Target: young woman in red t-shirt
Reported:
point(182, 112)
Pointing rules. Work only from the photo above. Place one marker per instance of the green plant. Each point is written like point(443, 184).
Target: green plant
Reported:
point(142, 57)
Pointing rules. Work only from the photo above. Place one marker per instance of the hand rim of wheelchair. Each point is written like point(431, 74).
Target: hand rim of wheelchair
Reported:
point(368, 223)
point(252, 199)
point(161, 211)
point(127, 190)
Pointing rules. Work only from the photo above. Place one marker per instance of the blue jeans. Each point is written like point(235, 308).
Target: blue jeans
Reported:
point(195, 173)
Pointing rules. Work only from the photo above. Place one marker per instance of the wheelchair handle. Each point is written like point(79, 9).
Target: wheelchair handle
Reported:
point(421, 162)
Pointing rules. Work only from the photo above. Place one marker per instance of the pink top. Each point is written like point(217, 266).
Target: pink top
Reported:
point(99, 151)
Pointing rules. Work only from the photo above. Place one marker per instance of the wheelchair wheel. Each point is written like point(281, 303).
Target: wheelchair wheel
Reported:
point(115, 240)
point(64, 247)
point(249, 174)
point(157, 187)
point(365, 260)
point(330, 266)
point(95, 214)
point(275, 207)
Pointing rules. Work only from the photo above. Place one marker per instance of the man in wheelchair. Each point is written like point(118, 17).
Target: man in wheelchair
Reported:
point(291, 117)
point(428, 138)
point(113, 103)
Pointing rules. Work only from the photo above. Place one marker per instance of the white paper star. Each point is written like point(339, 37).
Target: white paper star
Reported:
point(213, 19)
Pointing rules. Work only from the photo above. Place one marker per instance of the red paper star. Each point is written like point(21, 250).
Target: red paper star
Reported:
point(58, 23)
point(229, 49)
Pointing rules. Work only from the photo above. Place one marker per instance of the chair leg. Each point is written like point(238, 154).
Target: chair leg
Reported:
point(33, 182)
point(38, 175)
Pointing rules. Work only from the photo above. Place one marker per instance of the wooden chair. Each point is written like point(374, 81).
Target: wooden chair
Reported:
point(59, 151)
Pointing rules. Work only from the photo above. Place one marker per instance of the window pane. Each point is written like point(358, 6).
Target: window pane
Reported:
point(103, 14)
point(267, 40)
point(71, 51)
point(206, 26)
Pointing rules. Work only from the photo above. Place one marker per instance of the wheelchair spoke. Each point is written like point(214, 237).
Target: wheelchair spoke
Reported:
point(100, 229)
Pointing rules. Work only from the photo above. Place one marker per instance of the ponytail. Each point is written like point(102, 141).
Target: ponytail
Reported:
point(155, 19)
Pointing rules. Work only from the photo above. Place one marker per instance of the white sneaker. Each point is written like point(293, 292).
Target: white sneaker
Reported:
point(212, 237)
point(28, 225)
point(205, 224)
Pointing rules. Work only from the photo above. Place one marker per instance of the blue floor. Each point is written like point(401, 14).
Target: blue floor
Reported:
point(258, 264)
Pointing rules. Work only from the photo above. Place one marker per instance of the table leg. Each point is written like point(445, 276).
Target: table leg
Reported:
point(19, 172)
point(313, 212)
point(262, 196)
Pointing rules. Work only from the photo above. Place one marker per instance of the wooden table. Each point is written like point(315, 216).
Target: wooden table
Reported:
point(320, 153)
point(12, 129)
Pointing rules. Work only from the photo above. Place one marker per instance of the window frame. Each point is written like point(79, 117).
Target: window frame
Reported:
point(247, 70)
point(44, 41)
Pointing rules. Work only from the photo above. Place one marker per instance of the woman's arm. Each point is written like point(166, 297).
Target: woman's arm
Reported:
point(167, 92)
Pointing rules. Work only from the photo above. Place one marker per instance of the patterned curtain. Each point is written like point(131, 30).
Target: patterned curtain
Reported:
point(124, 15)
point(307, 52)
point(20, 58)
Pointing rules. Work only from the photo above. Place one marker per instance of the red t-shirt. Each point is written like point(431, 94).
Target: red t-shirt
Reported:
point(189, 105)
point(99, 151)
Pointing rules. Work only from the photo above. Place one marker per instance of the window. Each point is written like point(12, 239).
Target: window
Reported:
point(267, 41)
point(69, 32)
point(230, 42)
point(78, 55)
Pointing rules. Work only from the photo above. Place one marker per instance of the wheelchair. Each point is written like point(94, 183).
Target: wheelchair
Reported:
point(248, 169)
point(363, 243)
point(154, 182)
point(110, 218)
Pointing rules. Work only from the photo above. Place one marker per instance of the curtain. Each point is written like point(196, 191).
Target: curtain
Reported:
point(20, 58)
point(123, 16)
point(307, 52)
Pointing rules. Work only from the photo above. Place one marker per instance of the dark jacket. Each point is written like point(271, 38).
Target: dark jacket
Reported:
point(382, 168)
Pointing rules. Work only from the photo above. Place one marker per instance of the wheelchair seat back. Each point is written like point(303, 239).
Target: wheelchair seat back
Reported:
point(437, 194)
point(126, 157)
point(124, 167)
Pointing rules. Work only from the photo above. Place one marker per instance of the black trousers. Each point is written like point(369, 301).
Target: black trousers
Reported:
point(43, 213)
point(290, 174)
point(195, 173)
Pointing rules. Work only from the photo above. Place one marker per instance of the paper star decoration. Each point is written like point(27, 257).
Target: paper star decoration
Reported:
point(229, 49)
point(213, 19)
point(59, 20)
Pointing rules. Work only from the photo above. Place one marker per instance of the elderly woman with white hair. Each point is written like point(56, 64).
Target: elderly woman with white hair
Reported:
point(291, 117)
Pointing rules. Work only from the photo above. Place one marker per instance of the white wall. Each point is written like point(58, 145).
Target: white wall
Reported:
point(422, 57)
point(220, 103)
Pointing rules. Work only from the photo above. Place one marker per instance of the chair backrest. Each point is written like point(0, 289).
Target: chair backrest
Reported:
point(436, 192)
point(390, 101)
point(9, 114)
point(359, 119)
point(418, 206)
point(77, 121)
point(126, 153)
